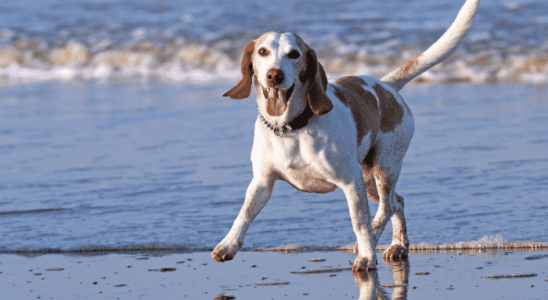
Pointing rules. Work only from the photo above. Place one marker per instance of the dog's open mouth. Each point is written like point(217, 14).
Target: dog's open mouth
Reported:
point(276, 99)
point(276, 94)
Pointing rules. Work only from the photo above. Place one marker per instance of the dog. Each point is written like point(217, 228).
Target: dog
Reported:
point(318, 136)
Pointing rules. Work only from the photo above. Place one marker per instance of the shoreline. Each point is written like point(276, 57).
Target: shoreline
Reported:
point(256, 275)
point(493, 243)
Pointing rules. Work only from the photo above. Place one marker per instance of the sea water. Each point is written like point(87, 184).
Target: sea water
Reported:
point(117, 166)
point(113, 133)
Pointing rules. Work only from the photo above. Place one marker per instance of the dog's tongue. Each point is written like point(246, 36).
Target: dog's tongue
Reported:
point(275, 102)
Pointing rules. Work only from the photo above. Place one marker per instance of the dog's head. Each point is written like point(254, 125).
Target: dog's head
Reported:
point(286, 72)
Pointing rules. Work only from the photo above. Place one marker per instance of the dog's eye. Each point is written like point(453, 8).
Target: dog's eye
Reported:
point(293, 54)
point(263, 52)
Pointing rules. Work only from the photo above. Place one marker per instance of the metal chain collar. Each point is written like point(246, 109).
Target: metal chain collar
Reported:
point(278, 131)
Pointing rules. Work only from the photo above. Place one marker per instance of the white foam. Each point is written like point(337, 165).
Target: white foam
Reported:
point(194, 62)
point(491, 242)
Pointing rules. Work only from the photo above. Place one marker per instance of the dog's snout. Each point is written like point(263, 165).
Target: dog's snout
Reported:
point(274, 77)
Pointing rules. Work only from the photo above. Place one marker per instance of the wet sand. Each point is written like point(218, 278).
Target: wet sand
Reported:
point(272, 275)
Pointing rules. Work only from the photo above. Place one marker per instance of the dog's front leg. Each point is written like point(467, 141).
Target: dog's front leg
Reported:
point(257, 196)
point(355, 192)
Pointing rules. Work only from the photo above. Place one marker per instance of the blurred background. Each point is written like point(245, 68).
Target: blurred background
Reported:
point(201, 41)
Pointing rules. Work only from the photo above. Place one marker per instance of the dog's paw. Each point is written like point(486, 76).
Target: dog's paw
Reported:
point(361, 263)
point(225, 251)
point(395, 253)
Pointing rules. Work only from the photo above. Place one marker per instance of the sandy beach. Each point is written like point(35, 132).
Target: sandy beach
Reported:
point(271, 275)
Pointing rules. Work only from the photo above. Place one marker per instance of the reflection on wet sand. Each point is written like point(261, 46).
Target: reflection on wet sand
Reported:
point(370, 287)
point(368, 282)
point(225, 298)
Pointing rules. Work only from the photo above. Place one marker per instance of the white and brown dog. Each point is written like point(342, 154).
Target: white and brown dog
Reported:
point(351, 134)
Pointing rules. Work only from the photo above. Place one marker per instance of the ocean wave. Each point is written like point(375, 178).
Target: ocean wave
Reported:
point(150, 247)
point(492, 242)
point(181, 61)
point(487, 243)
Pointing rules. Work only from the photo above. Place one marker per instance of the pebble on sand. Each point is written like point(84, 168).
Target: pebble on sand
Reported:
point(540, 256)
point(510, 276)
point(272, 283)
point(391, 286)
point(163, 270)
point(318, 271)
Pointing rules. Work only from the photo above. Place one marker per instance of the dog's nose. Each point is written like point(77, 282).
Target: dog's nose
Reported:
point(274, 77)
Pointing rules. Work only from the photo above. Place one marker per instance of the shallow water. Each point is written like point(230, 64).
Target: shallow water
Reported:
point(85, 165)
point(203, 40)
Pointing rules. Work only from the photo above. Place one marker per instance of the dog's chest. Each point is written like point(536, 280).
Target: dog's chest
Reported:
point(299, 161)
point(292, 153)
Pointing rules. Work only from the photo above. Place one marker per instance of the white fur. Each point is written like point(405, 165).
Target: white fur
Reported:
point(440, 50)
point(325, 154)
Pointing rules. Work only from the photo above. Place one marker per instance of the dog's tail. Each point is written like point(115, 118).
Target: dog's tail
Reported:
point(439, 51)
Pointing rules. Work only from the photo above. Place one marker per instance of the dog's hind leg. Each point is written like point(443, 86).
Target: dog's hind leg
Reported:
point(390, 208)
point(387, 201)
point(400, 242)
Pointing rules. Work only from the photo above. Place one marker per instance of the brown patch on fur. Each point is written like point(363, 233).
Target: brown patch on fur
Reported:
point(372, 193)
point(408, 68)
point(243, 88)
point(351, 80)
point(399, 199)
point(323, 77)
point(362, 103)
point(391, 111)
point(314, 73)
point(367, 165)
point(369, 159)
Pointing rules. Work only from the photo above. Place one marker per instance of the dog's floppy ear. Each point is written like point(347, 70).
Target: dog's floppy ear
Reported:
point(315, 75)
point(243, 88)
